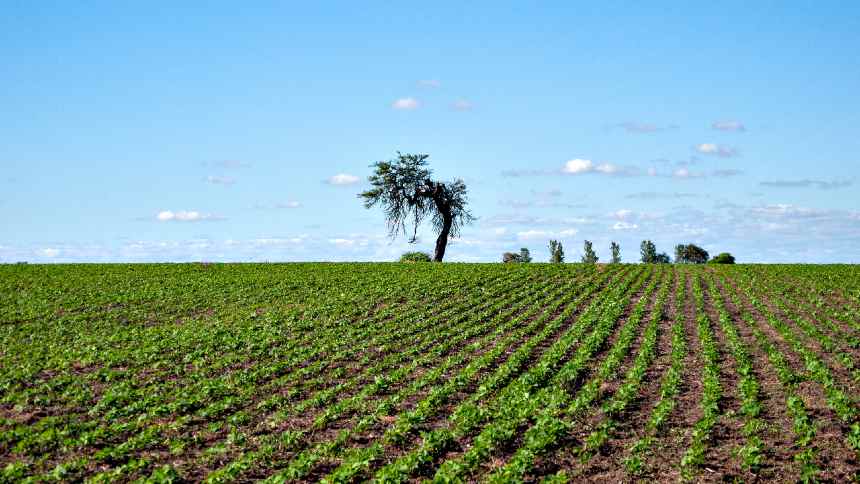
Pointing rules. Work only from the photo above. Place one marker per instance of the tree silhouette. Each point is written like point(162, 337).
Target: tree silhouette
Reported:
point(403, 187)
point(588, 256)
point(556, 252)
point(616, 253)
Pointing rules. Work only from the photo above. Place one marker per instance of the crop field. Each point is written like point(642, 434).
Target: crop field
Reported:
point(443, 372)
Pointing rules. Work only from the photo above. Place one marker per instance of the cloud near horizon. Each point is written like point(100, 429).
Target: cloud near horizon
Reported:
point(808, 183)
point(729, 126)
point(185, 216)
point(343, 179)
point(713, 149)
point(406, 104)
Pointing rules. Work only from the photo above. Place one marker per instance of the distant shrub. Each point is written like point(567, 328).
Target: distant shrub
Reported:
point(723, 258)
point(510, 258)
point(662, 258)
point(415, 257)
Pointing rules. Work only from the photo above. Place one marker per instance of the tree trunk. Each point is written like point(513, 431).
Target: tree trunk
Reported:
point(442, 240)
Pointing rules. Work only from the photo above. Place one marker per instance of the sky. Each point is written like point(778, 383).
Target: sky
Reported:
point(219, 131)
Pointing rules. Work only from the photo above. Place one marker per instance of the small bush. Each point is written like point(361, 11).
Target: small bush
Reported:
point(415, 257)
point(510, 258)
point(723, 258)
point(513, 258)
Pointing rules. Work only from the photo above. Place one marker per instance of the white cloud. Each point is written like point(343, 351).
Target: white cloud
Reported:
point(807, 183)
point(624, 226)
point(342, 242)
point(406, 103)
point(343, 179)
point(728, 126)
point(184, 216)
point(716, 150)
point(577, 166)
point(430, 83)
point(290, 204)
point(685, 173)
point(544, 234)
point(462, 105)
point(622, 214)
point(533, 234)
point(220, 180)
point(50, 252)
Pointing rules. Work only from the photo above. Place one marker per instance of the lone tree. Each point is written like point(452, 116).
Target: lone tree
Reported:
point(648, 251)
point(556, 252)
point(690, 254)
point(588, 256)
point(525, 255)
point(616, 253)
point(408, 195)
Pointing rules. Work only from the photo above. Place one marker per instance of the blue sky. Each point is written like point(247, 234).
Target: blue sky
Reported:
point(215, 131)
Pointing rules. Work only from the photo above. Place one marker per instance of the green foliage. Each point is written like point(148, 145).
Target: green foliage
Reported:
point(722, 258)
point(415, 257)
point(615, 249)
point(388, 373)
point(510, 258)
point(690, 254)
point(525, 255)
point(556, 252)
point(588, 254)
point(648, 252)
point(408, 195)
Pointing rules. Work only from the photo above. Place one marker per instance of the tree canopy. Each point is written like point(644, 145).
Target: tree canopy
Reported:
point(690, 254)
point(722, 258)
point(403, 187)
point(556, 252)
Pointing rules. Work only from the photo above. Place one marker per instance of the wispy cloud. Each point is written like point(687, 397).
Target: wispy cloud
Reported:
point(406, 104)
point(185, 216)
point(220, 180)
point(278, 205)
point(621, 225)
point(579, 166)
point(807, 183)
point(533, 234)
point(684, 173)
point(713, 149)
point(729, 126)
point(657, 195)
point(343, 179)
